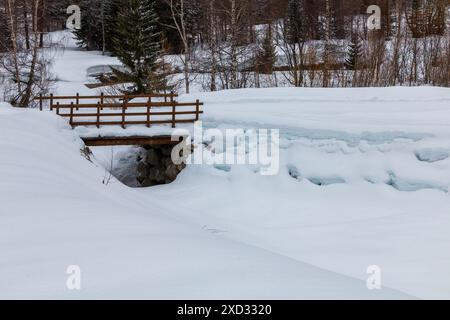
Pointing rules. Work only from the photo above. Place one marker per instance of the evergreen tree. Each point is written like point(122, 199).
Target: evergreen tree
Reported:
point(98, 24)
point(329, 23)
point(328, 50)
point(90, 36)
point(296, 25)
point(267, 55)
point(174, 43)
point(136, 43)
point(354, 54)
point(5, 36)
point(435, 16)
point(416, 19)
point(392, 23)
point(110, 12)
point(338, 23)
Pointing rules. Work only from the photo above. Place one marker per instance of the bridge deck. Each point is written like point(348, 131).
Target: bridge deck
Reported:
point(129, 141)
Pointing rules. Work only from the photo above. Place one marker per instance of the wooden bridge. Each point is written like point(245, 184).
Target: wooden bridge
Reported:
point(124, 110)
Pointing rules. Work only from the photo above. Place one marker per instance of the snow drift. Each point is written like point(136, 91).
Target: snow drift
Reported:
point(56, 212)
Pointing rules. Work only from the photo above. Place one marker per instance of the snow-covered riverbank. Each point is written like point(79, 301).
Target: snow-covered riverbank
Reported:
point(364, 180)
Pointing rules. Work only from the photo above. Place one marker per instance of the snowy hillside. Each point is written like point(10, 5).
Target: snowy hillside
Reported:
point(364, 180)
point(129, 244)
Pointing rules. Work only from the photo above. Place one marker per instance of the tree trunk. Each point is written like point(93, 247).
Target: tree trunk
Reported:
point(10, 5)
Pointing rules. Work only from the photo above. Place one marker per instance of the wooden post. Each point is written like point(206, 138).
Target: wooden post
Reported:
point(78, 100)
point(102, 100)
point(197, 110)
point(51, 102)
point(98, 114)
point(173, 110)
point(124, 107)
point(149, 108)
point(40, 102)
point(57, 108)
point(71, 114)
point(173, 115)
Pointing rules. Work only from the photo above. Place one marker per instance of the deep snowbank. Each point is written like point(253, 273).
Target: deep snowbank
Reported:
point(353, 110)
point(364, 180)
point(56, 212)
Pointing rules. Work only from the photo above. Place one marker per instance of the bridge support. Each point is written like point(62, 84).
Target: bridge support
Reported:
point(154, 163)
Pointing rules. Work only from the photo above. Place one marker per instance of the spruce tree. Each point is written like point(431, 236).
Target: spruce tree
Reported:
point(416, 19)
point(5, 36)
point(136, 43)
point(111, 9)
point(267, 55)
point(354, 54)
point(89, 36)
point(98, 24)
point(392, 21)
point(296, 26)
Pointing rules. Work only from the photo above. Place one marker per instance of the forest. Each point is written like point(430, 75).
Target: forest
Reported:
point(231, 44)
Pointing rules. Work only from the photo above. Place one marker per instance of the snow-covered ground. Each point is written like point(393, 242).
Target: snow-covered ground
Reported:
point(56, 212)
point(364, 180)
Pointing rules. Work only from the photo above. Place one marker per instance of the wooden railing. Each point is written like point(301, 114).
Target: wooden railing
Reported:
point(113, 110)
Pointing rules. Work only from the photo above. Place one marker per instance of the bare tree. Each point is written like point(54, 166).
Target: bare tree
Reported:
point(24, 64)
point(179, 10)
